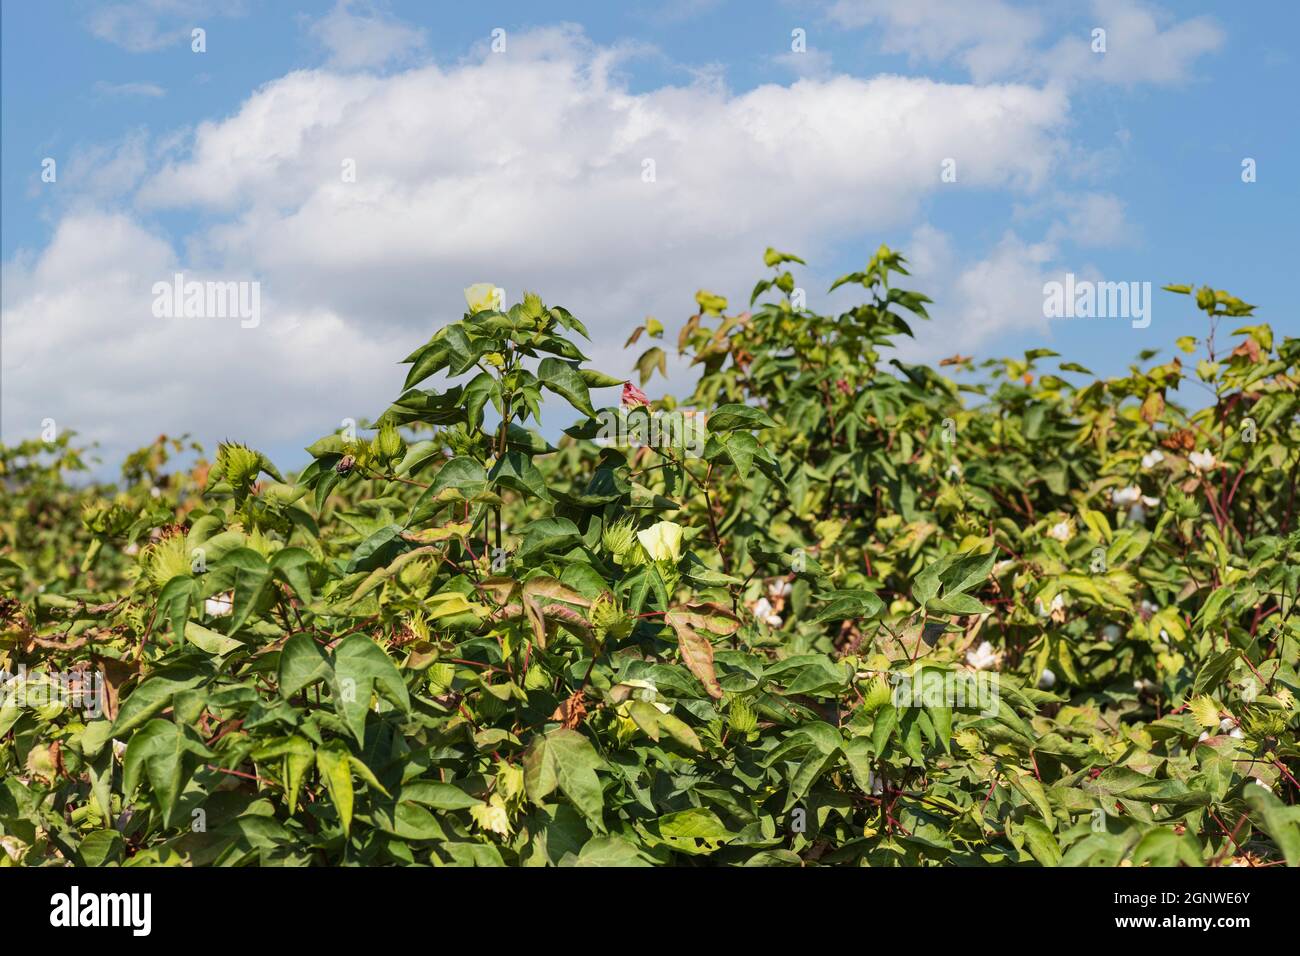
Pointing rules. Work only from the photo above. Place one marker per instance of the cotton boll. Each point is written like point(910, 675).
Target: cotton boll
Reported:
point(983, 657)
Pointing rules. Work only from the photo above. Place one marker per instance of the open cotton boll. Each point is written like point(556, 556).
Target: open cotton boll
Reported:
point(1152, 458)
point(984, 657)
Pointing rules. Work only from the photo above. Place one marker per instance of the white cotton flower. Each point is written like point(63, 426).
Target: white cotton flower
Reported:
point(1205, 735)
point(1226, 724)
point(1143, 686)
point(762, 609)
point(779, 589)
point(119, 748)
point(984, 657)
point(954, 470)
point(662, 541)
point(220, 605)
point(1262, 784)
point(1147, 610)
point(132, 549)
point(1203, 460)
point(481, 296)
point(1111, 633)
point(155, 492)
point(1126, 497)
point(1152, 458)
point(1046, 680)
point(1062, 531)
point(1237, 732)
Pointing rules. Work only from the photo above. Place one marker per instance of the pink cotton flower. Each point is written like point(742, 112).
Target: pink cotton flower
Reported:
point(633, 396)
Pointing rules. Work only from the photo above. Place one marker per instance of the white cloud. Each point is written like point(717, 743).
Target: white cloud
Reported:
point(811, 63)
point(152, 90)
point(522, 169)
point(990, 38)
point(996, 39)
point(999, 293)
point(143, 26)
point(1138, 48)
point(359, 34)
point(83, 347)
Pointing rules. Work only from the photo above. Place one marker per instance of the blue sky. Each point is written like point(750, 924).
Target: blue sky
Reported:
point(523, 168)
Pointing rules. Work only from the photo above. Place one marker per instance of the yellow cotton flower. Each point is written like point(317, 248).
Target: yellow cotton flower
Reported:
point(481, 296)
point(662, 541)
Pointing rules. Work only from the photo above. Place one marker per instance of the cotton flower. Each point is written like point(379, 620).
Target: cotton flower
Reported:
point(1144, 686)
point(1046, 680)
point(984, 657)
point(1111, 633)
point(1124, 497)
point(662, 541)
point(1203, 460)
point(481, 297)
point(779, 589)
point(1152, 458)
point(762, 609)
point(220, 605)
point(1062, 531)
point(954, 470)
point(633, 396)
point(1226, 724)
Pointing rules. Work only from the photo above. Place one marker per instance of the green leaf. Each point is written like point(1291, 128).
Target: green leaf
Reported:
point(549, 534)
point(1279, 821)
point(156, 752)
point(302, 663)
point(174, 602)
point(564, 379)
point(566, 759)
point(361, 669)
point(726, 418)
point(334, 762)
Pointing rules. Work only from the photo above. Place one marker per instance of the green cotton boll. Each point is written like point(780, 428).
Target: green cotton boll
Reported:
point(389, 443)
point(239, 465)
point(618, 539)
point(609, 620)
point(741, 718)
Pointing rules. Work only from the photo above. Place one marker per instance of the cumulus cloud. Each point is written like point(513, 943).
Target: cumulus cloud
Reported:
point(976, 299)
point(531, 170)
point(83, 347)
